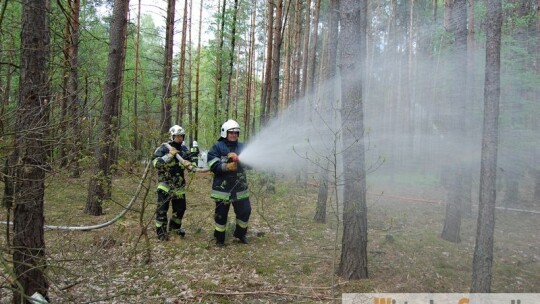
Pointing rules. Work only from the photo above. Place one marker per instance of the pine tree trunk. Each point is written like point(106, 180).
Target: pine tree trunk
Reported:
point(483, 251)
point(276, 60)
point(74, 139)
point(267, 86)
point(328, 81)
point(29, 172)
point(250, 72)
point(166, 102)
point(312, 59)
point(136, 138)
point(182, 69)
point(99, 184)
point(305, 51)
point(458, 26)
point(354, 260)
point(218, 96)
point(231, 60)
point(198, 73)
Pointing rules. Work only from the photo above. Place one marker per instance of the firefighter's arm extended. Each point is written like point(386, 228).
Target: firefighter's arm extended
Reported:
point(220, 163)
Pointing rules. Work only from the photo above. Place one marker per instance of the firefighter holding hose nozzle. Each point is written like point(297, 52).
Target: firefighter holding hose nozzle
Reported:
point(170, 160)
point(229, 186)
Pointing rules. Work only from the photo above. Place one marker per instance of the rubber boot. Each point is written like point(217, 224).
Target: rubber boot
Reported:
point(220, 238)
point(162, 232)
point(177, 228)
point(240, 234)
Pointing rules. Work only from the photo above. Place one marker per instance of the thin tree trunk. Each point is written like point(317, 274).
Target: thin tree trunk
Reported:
point(231, 59)
point(136, 135)
point(276, 59)
point(305, 52)
point(219, 74)
point(30, 152)
point(190, 74)
point(267, 86)
point(73, 89)
point(312, 59)
point(286, 68)
point(99, 184)
point(354, 262)
point(457, 24)
point(329, 72)
point(483, 250)
point(166, 102)
point(6, 91)
point(182, 70)
point(198, 73)
point(250, 71)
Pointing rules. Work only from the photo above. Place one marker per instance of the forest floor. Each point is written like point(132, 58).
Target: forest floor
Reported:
point(290, 258)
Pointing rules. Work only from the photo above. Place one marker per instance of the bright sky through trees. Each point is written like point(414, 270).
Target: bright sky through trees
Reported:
point(158, 10)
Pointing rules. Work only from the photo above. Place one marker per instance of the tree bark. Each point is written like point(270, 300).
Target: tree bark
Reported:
point(136, 139)
point(457, 24)
point(231, 60)
point(276, 59)
point(218, 96)
point(250, 72)
point(483, 251)
point(74, 107)
point(166, 102)
point(182, 69)
point(267, 87)
point(328, 80)
point(312, 58)
point(29, 172)
point(99, 184)
point(354, 261)
point(198, 74)
point(305, 51)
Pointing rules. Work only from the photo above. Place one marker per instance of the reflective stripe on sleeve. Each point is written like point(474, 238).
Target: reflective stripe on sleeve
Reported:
point(212, 162)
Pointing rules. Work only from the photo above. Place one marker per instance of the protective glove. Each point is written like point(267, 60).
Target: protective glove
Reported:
point(187, 164)
point(229, 167)
point(173, 151)
point(169, 156)
point(232, 157)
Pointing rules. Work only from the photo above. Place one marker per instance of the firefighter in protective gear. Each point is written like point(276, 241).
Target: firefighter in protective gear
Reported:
point(194, 154)
point(229, 186)
point(171, 182)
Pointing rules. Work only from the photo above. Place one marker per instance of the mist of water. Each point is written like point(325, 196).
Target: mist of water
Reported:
point(422, 132)
point(301, 137)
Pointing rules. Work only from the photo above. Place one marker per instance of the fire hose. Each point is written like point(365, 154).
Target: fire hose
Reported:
point(181, 160)
point(121, 214)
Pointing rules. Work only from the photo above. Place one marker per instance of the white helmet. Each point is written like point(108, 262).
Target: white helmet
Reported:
point(229, 125)
point(195, 144)
point(176, 130)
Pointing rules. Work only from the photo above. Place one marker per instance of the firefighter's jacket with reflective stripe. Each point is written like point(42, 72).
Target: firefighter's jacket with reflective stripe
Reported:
point(171, 174)
point(227, 186)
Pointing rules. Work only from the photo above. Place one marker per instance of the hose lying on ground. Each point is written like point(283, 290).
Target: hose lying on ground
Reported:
point(102, 225)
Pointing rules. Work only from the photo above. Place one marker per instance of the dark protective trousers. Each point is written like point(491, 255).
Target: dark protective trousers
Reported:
point(178, 207)
point(242, 210)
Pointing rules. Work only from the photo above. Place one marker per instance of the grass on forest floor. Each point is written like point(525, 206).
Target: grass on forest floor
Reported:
point(290, 258)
